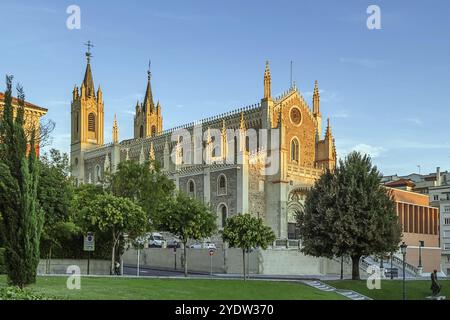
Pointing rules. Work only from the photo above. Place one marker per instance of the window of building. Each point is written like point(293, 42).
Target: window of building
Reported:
point(222, 185)
point(447, 234)
point(447, 246)
point(293, 231)
point(436, 197)
point(91, 122)
point(98, 174)
point(153, 131)
point(191, 188)
point(141, 131)
point(447, 221)
point(294, 150)
point(224, 216)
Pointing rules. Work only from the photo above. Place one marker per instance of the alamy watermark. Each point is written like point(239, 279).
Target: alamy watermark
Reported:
point(374, 20)
point(73, 22)
point(74, 279)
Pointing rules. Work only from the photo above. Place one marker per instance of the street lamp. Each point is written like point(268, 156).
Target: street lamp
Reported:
point(403, 248)
point(421, 245)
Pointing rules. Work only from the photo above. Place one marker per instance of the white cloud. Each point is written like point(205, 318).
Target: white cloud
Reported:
point(373, 151)
point(415, 121)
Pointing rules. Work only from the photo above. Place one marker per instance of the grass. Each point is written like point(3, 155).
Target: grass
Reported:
point(393, 289)
point(177, 289)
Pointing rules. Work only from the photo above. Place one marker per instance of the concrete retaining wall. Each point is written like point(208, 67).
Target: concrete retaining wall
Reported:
point(271, 262)
point(229, 261)
point(59, 266)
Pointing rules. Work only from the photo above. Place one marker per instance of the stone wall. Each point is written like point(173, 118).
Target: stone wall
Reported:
point(59, 266)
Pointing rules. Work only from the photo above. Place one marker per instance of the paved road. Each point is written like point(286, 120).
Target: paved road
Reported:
point(147, 272)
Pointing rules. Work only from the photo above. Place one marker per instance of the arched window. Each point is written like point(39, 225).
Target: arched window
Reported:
point(191, 188)
point(222, 215)
point(91, 122)
point(295, 150)
point(153, 131)
point(222, 185)
point(98, 173)
point(141, 131)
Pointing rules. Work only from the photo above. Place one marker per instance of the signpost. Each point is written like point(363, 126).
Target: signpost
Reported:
point(89, 245)
point(175, 254)
point(211, 253)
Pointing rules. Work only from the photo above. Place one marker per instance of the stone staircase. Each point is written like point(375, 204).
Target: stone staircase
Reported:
point(349, 294)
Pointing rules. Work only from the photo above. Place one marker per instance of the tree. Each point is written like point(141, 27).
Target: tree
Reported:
point(55, 193)
point(245, 232)
point(119, 217)
point(22, 217)
point(349, 212)
point(188, 219)
point(145, 184)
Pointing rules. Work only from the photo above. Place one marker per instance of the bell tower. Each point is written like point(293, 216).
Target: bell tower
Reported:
point(148, 118)
point(87, 119)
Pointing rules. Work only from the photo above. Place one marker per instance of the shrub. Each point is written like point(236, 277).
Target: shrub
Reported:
point(2, 261)
point(15, 293)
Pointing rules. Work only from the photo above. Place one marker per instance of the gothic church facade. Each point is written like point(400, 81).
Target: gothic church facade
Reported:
point(292, 129)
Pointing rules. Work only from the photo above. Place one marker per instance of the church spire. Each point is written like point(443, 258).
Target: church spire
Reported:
point(316, 99)
point(328, 134)
point(88, 81)
point(148, 100)
point(115, 132)
point(267, 83)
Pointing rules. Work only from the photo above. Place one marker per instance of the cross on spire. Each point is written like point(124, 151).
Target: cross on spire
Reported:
point(89, 45)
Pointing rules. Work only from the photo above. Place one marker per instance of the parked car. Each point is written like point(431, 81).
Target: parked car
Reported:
point(196, 245)
point(210, 245)
point(156, 240)
point(173, 243)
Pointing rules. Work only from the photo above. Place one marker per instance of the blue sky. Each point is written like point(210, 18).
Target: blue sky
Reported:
point(386, 91)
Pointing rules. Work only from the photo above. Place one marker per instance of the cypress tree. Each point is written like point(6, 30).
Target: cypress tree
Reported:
point(22, 218)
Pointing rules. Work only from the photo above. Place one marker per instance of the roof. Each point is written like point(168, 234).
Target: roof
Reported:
point(27, 104)
point(400, 183)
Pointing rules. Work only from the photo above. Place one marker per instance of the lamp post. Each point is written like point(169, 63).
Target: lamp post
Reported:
point(403, 248)
point(421, 245)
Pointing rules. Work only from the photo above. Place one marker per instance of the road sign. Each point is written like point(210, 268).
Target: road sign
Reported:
point(89, 242)
point(211, 252)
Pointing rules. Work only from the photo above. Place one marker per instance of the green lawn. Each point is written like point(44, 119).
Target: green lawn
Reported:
point(393, 289)
point(177, 289)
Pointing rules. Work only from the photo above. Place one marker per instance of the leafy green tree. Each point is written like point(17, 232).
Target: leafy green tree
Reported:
point(55, 193)
point(349, 212)
point(245, 232)
point(188, 219)
point(146, 185)
point(22, 217)
point(119, 217)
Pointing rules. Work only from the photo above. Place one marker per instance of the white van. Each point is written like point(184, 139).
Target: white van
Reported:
point(156, 240)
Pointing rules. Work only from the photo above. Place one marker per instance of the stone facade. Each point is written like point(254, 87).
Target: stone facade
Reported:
point(259, 159)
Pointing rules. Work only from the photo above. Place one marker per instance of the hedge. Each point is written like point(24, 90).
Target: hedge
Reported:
point(2, 261)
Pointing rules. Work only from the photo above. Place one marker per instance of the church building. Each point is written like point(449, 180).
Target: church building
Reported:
point(277, 149)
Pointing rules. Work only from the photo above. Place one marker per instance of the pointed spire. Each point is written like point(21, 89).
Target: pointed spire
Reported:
point(242, 122)
point(115, 133)
point(267, 82)
point(88, 79)
point(148, 100)
point(328, 134)
point(316, 99)
point(107, 164)
point(151, 153)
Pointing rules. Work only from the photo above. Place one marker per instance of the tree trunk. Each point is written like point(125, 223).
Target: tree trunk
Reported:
point(185, 260)
point(243, 261)
point(113, 255)
point(355, 267)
